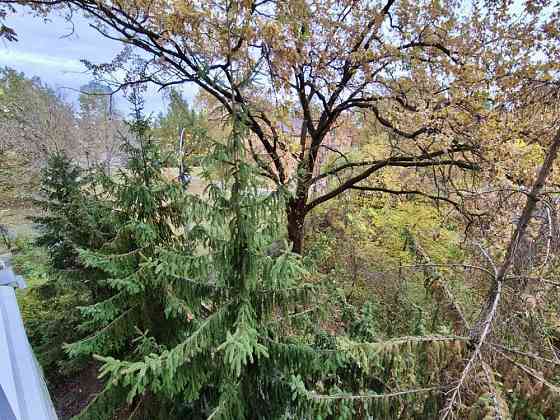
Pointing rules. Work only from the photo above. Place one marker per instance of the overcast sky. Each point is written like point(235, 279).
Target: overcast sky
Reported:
point(44, 49)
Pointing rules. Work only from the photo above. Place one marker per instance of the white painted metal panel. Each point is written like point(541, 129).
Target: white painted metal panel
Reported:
point(21, 378)
point(7, 374)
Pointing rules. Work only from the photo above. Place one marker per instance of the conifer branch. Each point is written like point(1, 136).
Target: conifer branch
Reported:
point(319, 397)
point(523, 353)
point(531, 372)
point(104, 340)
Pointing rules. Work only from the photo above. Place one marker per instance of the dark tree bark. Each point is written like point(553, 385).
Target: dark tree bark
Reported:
point(296, 219)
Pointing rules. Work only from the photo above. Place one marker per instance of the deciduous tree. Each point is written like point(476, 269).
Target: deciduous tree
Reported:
point(430, 73)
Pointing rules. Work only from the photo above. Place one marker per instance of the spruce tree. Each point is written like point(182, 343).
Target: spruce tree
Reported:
point(200, 307)
point(73, 215)
point(60, 185)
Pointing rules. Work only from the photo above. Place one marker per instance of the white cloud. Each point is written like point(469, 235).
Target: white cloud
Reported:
point(14, 57)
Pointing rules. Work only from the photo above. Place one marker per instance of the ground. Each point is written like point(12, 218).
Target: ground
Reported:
point(73, 395)
point(16, 219)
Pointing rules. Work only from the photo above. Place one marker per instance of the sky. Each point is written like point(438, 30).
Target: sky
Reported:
point(49, 50)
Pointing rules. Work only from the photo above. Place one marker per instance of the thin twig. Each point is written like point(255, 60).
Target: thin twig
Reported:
point(532, 373)
point(522, 353)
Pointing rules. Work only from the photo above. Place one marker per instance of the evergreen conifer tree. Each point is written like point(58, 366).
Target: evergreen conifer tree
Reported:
point(60, 185)
point(193, 328)
point(73, 217)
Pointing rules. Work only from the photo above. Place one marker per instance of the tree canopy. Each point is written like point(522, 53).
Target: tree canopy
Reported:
point(433, 74)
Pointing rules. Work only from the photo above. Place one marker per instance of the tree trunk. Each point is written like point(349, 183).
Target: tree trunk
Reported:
point(296, 218)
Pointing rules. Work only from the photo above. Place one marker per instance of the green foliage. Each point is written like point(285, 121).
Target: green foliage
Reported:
point(72, 216)
point(199, 319)
point(364, 237)
point(180, 115)
point(363, 325)
point(49, 310)
point(61, 185)
point(197, 301)
point(202, 314)
point(31, 262)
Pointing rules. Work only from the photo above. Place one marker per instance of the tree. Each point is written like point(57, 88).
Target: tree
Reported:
point(6, 32)
point(182, 116)
point(72, 216)
point(60, 189)
point(429, 72)
point(193, 322)
point(34, 119)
